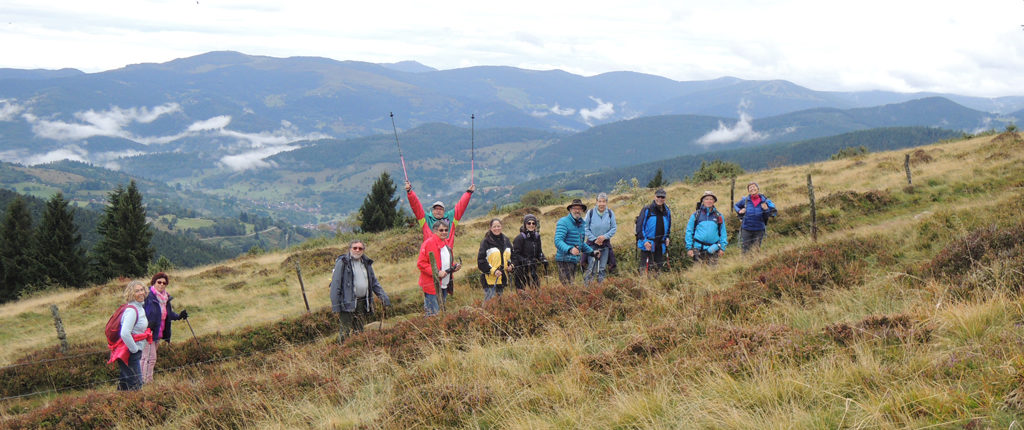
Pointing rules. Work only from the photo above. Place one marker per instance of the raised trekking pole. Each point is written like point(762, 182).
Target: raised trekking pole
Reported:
point(472, 147)
point(406, 173)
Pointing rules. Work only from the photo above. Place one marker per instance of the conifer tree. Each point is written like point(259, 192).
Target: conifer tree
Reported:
point(379, 211)
point(124, 248)
point(656, 182)
point(17, 251)
point(61, 255)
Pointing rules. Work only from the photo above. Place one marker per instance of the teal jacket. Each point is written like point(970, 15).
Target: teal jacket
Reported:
point(569, 233)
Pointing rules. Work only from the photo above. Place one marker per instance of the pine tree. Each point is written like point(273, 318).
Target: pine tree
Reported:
point(60, 252)
point(656, 182)
point(20, 267)
point(379, 211)
point(124, 248)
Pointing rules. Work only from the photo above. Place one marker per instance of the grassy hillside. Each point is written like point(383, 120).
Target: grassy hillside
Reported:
point(906, 313)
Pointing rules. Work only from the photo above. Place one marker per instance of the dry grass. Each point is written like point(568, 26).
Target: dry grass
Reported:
point(892, 347)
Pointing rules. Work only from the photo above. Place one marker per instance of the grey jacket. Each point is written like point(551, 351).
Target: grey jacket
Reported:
point(343, 296)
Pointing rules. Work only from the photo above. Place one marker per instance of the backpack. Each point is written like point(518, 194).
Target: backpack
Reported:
point(113, 328)
point(645, 213)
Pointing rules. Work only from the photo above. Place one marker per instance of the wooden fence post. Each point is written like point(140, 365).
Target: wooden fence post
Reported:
point(298, 271)
point(906, 166)
point(59, 324)
point(814, 214)
point(732, 194)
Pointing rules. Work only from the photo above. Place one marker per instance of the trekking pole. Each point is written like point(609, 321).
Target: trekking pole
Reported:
point(399, 146)
point(193, 331)
point(437, 280)
point(472, 147)
point(383, 315)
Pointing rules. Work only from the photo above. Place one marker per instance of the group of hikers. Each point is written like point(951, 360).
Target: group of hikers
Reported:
point(582, 238)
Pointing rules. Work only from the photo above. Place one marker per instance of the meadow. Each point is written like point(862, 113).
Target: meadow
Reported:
point(907, 312)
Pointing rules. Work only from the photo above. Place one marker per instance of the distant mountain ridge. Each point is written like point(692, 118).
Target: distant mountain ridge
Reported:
point(228, 103)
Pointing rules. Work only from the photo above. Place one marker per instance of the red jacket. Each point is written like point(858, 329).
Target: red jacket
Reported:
point(119, 351)
point(426, 220)
point(432, 245)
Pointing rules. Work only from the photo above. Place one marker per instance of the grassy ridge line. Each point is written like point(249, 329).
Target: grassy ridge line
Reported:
point(747, 331)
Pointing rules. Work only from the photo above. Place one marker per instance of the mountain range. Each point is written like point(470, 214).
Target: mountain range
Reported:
point(315, 131)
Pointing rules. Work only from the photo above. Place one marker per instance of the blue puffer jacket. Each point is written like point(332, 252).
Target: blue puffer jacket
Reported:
point(705, 229)
point(569, 233)
point(754, 218)
point(647, 225)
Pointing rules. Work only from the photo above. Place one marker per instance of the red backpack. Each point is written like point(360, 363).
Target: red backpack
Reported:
point(113, 328)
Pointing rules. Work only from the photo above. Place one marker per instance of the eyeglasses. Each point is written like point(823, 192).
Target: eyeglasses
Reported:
point(659, 197)
point(442, 230)
point(531, 223)
point(357, 248)
point(161, 282)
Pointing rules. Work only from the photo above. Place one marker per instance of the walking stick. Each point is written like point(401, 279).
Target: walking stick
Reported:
point(437, 280)
point(472, 147)
point(383, 315)
point(193, 331)
point(406, 173)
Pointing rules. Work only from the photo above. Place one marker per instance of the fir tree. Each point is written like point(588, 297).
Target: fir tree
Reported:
point(124, 248)
point(20, 267)
point(60, 252)
point(379, 211)
point(656, 182)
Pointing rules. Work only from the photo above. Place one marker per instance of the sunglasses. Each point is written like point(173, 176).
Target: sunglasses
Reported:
point(531, 223)
point(442, 230)
point(357, 248)
point(660, 197)
point(161, 282)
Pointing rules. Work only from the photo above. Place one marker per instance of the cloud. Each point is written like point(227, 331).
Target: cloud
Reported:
point(9, 110)
point(741, 131)
point(70, 152)
point(215, 123)
point(563, 112)
point(92, 123)
point(602, 111)
point(253, 159)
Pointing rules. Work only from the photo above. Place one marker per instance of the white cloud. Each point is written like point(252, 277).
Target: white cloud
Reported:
point(253, 159)
point(563, 112)
point(70, 152)
point(741, 131)
point(215, 123)
point(9, 110)
point(602, 111)
point(109, 123)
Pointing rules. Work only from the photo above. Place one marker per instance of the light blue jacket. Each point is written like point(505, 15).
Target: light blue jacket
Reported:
point(600, 225)
point(706, 230)
point(568, 234)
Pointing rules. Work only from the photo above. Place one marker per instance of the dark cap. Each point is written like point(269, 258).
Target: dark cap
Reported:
point(660, 193)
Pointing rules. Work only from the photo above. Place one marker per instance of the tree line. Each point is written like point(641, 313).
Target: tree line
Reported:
point(52, 253)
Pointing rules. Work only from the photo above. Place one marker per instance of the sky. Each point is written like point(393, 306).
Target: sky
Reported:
point(962, 47)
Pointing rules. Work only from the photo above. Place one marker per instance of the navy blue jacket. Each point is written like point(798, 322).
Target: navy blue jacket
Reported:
point(152, 306)
point(754, 218)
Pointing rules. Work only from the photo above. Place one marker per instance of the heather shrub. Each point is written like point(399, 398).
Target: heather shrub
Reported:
point(984, 258)
point(900, 328)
